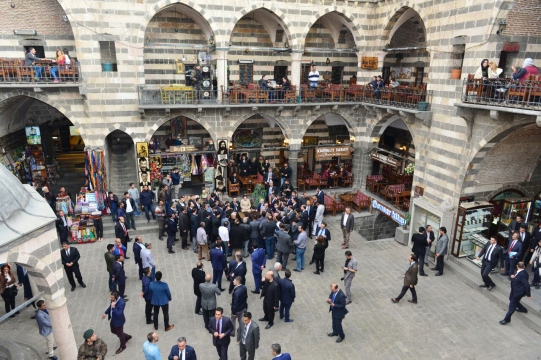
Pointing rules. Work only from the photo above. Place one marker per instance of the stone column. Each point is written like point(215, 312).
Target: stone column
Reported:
point(221, 72)
point(293, 154)
point(296, 57)
point(62, 328)
point(357, 168)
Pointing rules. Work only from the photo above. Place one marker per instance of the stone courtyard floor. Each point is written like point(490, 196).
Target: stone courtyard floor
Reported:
point(451, 321)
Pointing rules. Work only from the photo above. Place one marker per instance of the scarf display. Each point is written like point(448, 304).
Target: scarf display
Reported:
point(96, 175)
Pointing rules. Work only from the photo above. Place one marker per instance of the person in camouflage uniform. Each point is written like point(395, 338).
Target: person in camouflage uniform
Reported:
point(93, 348)
point(196, 78)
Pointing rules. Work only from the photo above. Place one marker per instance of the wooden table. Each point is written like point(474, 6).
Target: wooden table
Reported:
point(375, 186)
point(402, 197)
point(334, 179)
point(347, 198)
point(249, 182)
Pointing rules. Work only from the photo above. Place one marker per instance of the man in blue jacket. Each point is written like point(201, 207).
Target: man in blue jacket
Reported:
point(175, 178)
point(287, 296)
point(519, 288)
point(119, 275)
point(276, 350)
point(45, 328)
point(146, 198)
point(115, 313)
point(259, 261)
point(147, 295)
point(161, 295)
point(219, 262)
point(337, 306)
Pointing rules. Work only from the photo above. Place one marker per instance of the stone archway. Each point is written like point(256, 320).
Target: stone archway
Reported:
point(192, 116)
point(376, 226)
point(269, 116)
point(120, 158)
point(397, 14)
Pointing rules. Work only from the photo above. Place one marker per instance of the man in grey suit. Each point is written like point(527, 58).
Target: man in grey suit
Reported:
point(347, 223)
point(208, 299)
point(350, 268)
point(441, 250)
point(248, 337)
point(283, 246)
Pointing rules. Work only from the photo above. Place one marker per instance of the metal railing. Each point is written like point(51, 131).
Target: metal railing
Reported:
point(401, 97)
point(503, 93)
point(12, 71)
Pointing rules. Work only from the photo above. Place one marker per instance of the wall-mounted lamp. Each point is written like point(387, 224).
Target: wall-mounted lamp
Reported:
point(211, 40)
point(286, 45)
point(375, 140)
point(352, 138)
point(403, 148)
point(65, 18)
point(328, 61)
point(25, 32)
point(501, 27)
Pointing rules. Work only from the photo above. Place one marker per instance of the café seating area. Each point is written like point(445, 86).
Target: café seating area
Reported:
point(395, 189)
point(327, 179)
point(503, 92)
point(14, 71)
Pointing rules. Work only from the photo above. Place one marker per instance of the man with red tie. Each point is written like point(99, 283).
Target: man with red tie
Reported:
point(512, 254)
point(221, 328)
point(121, 232)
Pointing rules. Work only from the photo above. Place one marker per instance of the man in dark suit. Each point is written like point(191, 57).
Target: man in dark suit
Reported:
point(513, 254)
point(525, 238)
point(171, 229)
point(70, 259)
point(259, 261)
point(311, 210)
point(276, 350)
point(337, 306)
point(119, 275)
point(161, 296)
point(235, 205)
point(221, 328)
point(198, 276)
point(181, 351)
point(237, 267)
point(287, 296)
point(137, 246)
point(248, 337)
point(515, 225)
point(430, 240)
point(121, 232)
point(492, 253)
point(347, 223)
point(323, 231)
point(219, 263)
point(519, 288)
point(410, 280)
point(184, 227)
point(320, 195)
point(62, 227)
point(239, 300)
point(420, 243)
point(271, 292)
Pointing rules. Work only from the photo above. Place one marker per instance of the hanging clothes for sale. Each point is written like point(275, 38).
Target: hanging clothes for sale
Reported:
point(64, 203)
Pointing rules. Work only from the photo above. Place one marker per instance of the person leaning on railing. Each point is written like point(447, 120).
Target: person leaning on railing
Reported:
point(528, 68)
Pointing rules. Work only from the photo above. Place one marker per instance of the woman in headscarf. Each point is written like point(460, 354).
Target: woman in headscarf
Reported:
point(483, 70)
point(528, 68)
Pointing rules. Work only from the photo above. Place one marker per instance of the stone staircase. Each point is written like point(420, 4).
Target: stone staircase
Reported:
point(10, 350)
point(73, 172)
point(470, 274)
point(123, 170)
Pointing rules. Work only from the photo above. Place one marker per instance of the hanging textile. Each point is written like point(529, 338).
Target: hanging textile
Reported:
point(96, 175)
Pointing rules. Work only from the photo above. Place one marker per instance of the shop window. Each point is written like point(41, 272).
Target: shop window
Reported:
point(337, 74)
point(40, 51)
point(246, 74)
point(108, 56)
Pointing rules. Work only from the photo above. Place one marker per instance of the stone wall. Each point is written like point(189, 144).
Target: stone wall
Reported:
point(375, 226)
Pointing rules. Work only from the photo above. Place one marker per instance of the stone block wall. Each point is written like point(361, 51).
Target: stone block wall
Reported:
point(375, 226)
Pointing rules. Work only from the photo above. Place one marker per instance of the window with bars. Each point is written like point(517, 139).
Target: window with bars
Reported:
point(246, 74)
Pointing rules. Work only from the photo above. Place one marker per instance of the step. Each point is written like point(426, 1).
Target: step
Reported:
point(470, 274)
point(11, 351)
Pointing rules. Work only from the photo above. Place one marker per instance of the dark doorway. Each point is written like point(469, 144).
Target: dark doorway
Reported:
point(337, 74)
point(40, 51)
point(305, 69)
point(279, 73)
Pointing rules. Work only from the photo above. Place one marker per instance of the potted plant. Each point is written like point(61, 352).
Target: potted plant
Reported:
point(457, 58)
point(407, 217)
point(258, 194)
point(410, 168)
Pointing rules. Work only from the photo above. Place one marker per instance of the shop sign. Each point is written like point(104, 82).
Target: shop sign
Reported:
point(391, 214)
point(418, 191)
point(369, 63)
point(183, 148)
point(330, 152)
point(384, 159)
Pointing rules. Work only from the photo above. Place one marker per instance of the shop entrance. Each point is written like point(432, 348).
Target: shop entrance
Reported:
point(121, 165)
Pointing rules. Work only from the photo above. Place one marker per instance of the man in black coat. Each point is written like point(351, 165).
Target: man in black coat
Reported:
point(271, 292)
point(70, 259)
point(237, 267)
point(184, 227)
point(519, 288)
point(198, 276)
point(171, 229)
point(62, 227)
point(337, 307)
point(121, 232)
point(137, 246)
point(287, 297)
point(492, 253)
point(239, 300)
point(119, 275)
point(420, 243)
point(323, 231)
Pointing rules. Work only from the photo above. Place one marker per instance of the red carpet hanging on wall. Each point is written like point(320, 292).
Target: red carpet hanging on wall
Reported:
point(95, 174)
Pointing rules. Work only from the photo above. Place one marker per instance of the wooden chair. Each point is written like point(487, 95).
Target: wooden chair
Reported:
point(324, 182)
point(361, 201)
point(535, 92)
point(233, 188)
point(313, 181)
point(518, 92)
point(348, 180)
point(68, 72)
point(474, 87)
point(301, 183)
point(291, 95)
point(308, 94)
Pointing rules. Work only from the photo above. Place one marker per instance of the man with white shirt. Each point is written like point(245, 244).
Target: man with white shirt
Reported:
point(320, 212)
point(148, 260)
point(62, 227)
point(134, 194)
point(429, 239)
point(223, 233)
point(129, 206)
point(492, 253)
point(313, 77)
point(347, 223)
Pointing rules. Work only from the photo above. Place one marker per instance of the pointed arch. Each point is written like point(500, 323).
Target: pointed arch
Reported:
point(267, 115)
point(192, 116)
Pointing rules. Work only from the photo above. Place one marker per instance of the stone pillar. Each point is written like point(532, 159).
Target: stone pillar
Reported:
point(296, 57)
point(293, 154)
point(221, 72)
point(62, 328)
point(357, 166)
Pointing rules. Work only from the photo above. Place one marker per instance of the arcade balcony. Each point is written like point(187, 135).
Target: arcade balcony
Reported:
point(14, 74)
point(409, 99)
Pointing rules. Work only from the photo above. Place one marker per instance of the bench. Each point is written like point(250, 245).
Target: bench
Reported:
point(370, 179)
point(347, 180)
point(361, 201)
point(313, 181)
point(331, 204)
